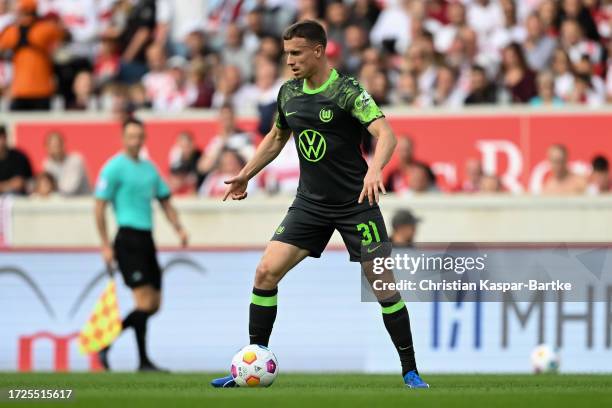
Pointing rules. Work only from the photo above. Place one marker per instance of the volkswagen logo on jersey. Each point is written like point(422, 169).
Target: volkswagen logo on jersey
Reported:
point(312, 145)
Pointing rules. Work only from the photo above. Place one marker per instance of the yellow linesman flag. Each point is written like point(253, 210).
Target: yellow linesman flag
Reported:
point(104, 324)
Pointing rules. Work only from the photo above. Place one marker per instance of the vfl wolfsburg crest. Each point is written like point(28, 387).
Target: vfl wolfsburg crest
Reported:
point(326, 115)
point(312, 145)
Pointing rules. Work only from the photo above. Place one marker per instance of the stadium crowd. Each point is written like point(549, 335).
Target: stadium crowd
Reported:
point(125, 55)
point(131, 54)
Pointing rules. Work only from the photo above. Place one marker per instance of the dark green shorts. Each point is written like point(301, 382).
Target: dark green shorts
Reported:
point(305, 226)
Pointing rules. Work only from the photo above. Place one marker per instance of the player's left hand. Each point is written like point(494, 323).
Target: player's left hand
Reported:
point(372, 183)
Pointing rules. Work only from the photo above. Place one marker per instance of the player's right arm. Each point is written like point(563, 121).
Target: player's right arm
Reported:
point(105, 192)
point(268, 149)
point(106, 248)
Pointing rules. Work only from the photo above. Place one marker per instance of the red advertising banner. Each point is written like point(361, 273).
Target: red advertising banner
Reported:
point(513, 146)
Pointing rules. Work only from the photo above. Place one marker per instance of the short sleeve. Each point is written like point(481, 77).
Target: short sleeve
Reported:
point(144, 16)
point(24, 169)
point(9, 37)
point(281, 120)
point(363, 108)
point(162, 189)
point(108, 181)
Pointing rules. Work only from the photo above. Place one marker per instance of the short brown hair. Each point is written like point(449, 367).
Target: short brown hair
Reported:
point(307, 29)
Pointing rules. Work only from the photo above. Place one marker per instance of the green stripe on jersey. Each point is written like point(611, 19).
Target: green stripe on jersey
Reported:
point(264, 300)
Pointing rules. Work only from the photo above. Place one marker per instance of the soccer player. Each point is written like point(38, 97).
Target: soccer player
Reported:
point(130, 183)
point(326, 112)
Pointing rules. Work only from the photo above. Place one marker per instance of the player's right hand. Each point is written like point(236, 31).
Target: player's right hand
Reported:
point(236, 188)
point(109, 255)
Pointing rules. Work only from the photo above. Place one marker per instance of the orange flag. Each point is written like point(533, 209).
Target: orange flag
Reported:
point(104, 324)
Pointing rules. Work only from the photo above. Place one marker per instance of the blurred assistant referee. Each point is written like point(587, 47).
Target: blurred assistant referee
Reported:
point(130, 184)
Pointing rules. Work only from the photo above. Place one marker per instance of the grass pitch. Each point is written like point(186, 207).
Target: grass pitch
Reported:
point(114, 390)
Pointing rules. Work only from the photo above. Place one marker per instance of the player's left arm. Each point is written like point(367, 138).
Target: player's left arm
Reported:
point(163, 195)
point(386, 142)
point(173, 218)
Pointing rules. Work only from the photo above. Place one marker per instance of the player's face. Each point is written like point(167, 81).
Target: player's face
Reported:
point(302, 56)
point(133, 138)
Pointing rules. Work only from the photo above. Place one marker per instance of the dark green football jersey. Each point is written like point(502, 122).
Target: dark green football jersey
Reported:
point(327, 125)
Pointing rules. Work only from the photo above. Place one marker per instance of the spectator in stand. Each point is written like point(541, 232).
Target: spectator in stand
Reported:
point(584, 93)
point(404, 225)
point(392, 26)
point(229, 89)
point(562, 180)
point(7, 16)
point(576, 45)
point(107, 62)
point(564, 76)
point(230, 164)
point(67, 169)
point(181, 93)
point(600, 182)
point(271, 48)
point(446, 92)
point(6, 19)
point(538, 47)
point(183, 158)
point(79, 18)
point(282, 175)
point(548, 11)
point(336, 16)
point(133, 38)
point(473, 176)
point(200, 77)
point(490, 184)
point(481, 90)
point(229, 137)
point(462, 55)
point(83, 90)
point(609, 72)
point(517, 78)
point(365, 13)
point(44, 186)
point(585, 67)
point(333, 52)
point(456, 21)
point(262, 94)
point(356, 41)
point(255, 30)
point(158, 81)
point(398, 179)
point(235, 53)
point(137, 95)
point(484, 16)
point(15, 169)
point(406, 93)
point(575, 10)
point(195, 42)
point(420, 63)
point(379, 88)
point(510, 32)
point(421, 179)
point(546, 91)
point(33, 42)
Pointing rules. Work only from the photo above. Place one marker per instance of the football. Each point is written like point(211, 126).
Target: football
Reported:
point(254, 366)
point(545, 359)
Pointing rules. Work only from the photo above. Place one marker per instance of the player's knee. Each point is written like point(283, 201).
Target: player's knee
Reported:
point(150, 305)
point(265, 276)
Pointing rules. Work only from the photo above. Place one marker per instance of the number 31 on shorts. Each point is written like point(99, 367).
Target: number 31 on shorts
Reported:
point(367, 230)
